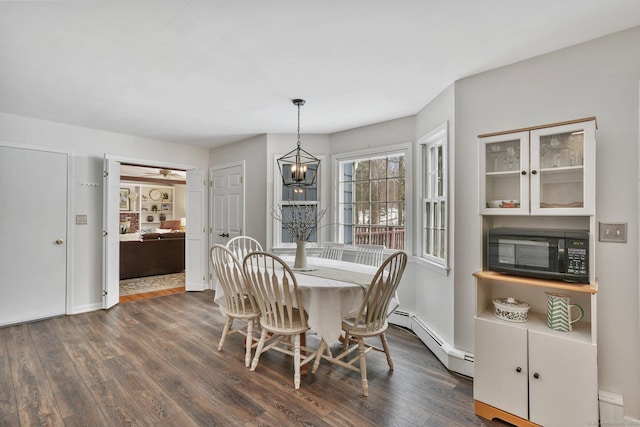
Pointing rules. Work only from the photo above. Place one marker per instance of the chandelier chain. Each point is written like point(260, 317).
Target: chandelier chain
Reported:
point(298, 124)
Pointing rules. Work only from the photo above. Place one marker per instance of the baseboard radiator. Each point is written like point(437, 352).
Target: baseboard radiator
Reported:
point(452, 358)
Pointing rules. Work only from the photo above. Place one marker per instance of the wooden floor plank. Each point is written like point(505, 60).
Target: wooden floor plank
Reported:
point(74, 403)
point(8, 408)
point(34, 397)
point(155, 361)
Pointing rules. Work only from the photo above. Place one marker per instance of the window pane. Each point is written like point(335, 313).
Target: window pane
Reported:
point(378, 191)
point(361, 213)
point(395, 166)
point(395, 214)
point(395, 192)
point(378, 213)
point(362, 191)
point(378, 168)
point(362, 169)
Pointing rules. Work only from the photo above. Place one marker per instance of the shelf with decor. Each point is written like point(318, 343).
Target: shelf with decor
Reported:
point(157, 205)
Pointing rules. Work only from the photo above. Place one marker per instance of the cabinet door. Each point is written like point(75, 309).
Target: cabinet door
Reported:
point(500, 366)
point(504, 179)
point(563, 169)
point(565, 392)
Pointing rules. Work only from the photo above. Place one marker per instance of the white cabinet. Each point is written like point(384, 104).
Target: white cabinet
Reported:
point(563, 380)
point(500, 367)
point(545, 170)
point(526, 373)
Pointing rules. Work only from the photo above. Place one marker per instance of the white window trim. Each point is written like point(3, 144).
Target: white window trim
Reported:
point(440, 134)
point(277, 192)
point(336, 232)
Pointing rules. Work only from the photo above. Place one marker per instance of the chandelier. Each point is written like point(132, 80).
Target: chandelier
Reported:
point(298, 168)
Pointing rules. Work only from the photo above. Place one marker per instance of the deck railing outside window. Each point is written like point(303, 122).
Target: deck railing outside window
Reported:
point(392, 237)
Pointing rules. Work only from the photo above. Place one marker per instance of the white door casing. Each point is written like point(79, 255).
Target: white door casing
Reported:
point(34, 233)
point(196, 253)
point(111, 239)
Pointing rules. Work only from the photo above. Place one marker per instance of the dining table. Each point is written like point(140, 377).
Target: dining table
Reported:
point(331, 290)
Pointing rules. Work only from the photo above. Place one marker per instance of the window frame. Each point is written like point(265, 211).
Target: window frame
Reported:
point(439, 136)
point(337, 233)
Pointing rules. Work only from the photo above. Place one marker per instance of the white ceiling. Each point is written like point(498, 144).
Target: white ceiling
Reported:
point(209, 72)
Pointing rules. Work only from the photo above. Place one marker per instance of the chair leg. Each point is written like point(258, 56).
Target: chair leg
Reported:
point(319, 354)
point(363, 367)
point(256, 358)
point(248, 343)
point(386, 350)
point(225, 331)
point(296, 361)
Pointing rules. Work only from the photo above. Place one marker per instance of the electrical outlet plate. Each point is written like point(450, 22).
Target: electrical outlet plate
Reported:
point(613, 232)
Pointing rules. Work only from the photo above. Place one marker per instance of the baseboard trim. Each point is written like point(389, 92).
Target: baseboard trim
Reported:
point(85, 308)
point(453, 359)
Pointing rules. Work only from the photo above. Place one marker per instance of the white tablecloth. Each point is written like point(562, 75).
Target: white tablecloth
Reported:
point(326, 301)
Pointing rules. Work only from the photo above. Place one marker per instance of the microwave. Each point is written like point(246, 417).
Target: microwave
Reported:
point(546, 254)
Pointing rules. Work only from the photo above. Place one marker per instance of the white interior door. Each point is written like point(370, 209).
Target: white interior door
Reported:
point(111, 242)
point(227, 209)
point(33, 234)
point(196, 253)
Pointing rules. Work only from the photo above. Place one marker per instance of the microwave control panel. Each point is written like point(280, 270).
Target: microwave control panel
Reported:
point(577, 261)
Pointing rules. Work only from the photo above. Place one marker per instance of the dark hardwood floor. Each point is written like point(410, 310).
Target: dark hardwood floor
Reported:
point(154, 362)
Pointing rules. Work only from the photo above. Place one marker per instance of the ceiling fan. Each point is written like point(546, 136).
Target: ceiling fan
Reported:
point(166, 173)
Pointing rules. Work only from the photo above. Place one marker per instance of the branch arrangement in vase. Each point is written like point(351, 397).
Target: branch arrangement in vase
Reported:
point(300, 221)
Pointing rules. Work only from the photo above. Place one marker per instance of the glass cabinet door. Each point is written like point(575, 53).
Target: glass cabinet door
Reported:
point(504, 185)
point(562, 169)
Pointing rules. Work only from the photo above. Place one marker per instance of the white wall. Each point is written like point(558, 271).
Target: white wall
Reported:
point(599, 78)
point(89, 147)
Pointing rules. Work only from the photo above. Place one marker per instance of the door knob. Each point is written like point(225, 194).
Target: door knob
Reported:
point(59, 241)
point(536, 375)
point(224, 235)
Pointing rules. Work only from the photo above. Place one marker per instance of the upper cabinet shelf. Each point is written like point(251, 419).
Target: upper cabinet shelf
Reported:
point(547, 170)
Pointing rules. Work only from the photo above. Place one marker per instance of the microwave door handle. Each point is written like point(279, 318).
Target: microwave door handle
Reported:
point(561, 256)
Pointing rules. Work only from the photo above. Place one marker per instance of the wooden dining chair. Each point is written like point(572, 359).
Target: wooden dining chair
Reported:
point(239, 302)
point(283, 318)
point(332, 250)
point(243, 245)
point(371, 320)
point(369, 254)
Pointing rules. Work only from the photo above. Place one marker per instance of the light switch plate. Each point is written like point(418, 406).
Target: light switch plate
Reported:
point(613, 232)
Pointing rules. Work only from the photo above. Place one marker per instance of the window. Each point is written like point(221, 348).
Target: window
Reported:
point(298, 200)
point(371, 199)
point(434, 195)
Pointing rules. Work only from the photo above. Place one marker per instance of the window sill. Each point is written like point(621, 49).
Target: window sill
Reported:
point(438, 268)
